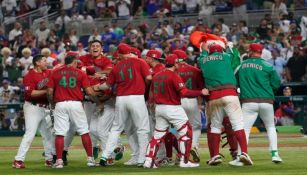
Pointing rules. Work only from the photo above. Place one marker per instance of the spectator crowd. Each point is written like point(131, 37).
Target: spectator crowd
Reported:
point(283, 34)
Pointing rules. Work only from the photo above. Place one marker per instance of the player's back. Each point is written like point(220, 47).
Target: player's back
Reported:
point(129, 76)
point(191, 76)
point(68, 83)
point(165, 87)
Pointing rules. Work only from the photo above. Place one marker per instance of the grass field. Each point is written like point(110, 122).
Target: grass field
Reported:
point(293, 150)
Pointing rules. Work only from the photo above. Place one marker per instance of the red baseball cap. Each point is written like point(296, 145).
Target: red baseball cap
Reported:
point(171, 59)
point(180, 54)
point(123, 48)
point(154, 54)
point(135, 51)
point(215, 48)
point(255, 47)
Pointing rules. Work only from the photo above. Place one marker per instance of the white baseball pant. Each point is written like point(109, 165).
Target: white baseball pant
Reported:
point(190, 106)
point(266, 113)
point(34, 120)
point(100, 126)
point(66, 112)
point(131, 107)
point(225, 106)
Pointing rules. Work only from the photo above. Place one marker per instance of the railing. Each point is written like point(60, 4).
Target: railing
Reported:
point(26, 19)
point(252, 18)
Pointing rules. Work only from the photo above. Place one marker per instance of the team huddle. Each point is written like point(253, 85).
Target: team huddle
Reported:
point(99, 99)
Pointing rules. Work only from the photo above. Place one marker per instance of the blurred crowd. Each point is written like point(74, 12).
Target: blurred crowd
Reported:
point(283, 34)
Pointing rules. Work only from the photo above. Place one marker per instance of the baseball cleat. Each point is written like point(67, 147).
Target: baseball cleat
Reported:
point(18, 164)
point(189, 164)
point(149, 163)
point(165, 162)
point(216, 160)
point(58, 164)
point(132, 161)
point(236, 162)
point(195, 155)
point(103, 161)
point(64, 158)
point(119, 152)
point(245, 159)
point(48, 163)
point(91, 162)
point(276, 159)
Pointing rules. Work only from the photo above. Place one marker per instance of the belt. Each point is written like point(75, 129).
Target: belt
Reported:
point(39, 104)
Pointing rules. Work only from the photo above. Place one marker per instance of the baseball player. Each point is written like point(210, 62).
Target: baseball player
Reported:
point(65, 91)
point(35, 110)
point(223, 100)
point(192, 78)
point(167, 88)
point(129, 76)
point(165, 153)
point(258, 80)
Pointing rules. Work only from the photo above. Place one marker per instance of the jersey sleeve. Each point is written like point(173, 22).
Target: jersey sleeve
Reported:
point(145, 69)
point(178, 83)
point(200, 80)
point(50, 83)
point(111, 79)
point(29, 85)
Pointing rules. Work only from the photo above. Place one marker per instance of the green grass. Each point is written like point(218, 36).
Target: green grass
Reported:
point(293, 151)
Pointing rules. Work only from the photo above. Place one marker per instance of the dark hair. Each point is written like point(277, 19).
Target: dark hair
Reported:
point(96, 41)
point(37, 58)
point(69, 59)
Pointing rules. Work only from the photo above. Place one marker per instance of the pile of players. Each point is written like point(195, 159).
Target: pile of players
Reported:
point(99, 99)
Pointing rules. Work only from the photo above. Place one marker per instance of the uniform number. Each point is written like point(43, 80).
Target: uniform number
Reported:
point(122, 74)
point(158, 87)
point(72, 82)
point(188, 83)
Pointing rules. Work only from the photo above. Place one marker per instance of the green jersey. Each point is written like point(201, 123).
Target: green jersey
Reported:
point(257, 80)
point(217, 70)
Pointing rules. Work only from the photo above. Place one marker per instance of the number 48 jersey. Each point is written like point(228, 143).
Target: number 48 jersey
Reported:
point(67, 83)
point(191, 76)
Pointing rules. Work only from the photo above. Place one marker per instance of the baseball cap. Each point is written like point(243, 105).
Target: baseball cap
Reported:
point(180, 54)
point(135, 51)
point(123, 48)
point(154, 54)
point(171, 59)
point(255, 47)
point(79, 45)
point(215, 48)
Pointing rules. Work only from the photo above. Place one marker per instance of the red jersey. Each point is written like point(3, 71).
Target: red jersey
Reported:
point(94, 81)
point(100, 63)
point(36, 81)
point(129, 76)
point(191, 76)
point(159, 67)
point(67, 83)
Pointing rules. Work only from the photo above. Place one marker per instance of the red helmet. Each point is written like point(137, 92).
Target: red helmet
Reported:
point(154, 54)
point(180, 54)
point(171, 59)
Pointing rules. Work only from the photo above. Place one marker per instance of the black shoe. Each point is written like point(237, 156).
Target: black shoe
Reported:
point(53, 159)
point(64, 158)
point(103, 162)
